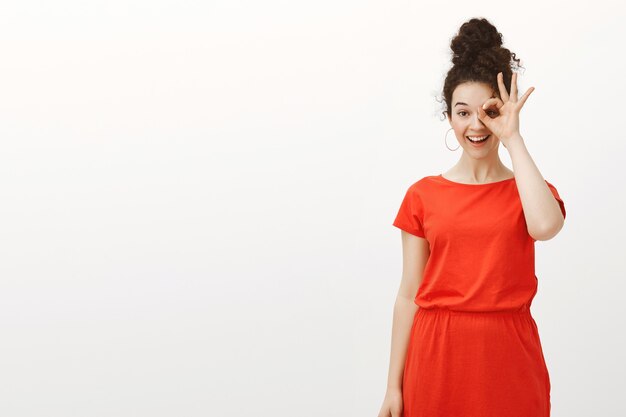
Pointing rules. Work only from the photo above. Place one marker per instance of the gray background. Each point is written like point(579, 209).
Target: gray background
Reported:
point(197, 199)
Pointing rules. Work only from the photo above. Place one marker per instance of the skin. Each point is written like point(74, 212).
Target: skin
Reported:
point(485, 112)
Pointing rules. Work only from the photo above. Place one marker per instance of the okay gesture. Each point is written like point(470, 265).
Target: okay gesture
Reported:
point(506, 124)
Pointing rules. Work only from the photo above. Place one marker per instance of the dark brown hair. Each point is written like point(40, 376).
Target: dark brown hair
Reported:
point(478, 56)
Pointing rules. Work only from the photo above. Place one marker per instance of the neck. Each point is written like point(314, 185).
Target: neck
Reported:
point(480, 170)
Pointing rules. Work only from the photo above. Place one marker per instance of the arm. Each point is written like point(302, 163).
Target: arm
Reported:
point(415, 252)
point(541, 210)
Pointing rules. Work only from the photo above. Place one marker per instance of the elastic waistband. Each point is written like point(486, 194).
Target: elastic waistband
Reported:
point(443, 310)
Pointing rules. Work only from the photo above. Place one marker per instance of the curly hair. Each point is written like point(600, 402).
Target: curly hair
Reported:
point(478, 56)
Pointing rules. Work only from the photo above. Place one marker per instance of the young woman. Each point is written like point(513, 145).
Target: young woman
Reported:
point(464, 342)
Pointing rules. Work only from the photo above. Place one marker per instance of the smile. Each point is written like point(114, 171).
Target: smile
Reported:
point(477, 139)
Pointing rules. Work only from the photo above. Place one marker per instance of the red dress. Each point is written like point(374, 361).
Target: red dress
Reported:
point(474, 349)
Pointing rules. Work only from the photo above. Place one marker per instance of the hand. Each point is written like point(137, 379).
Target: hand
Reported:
point(392, 405)
point(506, 125)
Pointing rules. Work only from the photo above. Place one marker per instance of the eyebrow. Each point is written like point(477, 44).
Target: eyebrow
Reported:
point(460, 103)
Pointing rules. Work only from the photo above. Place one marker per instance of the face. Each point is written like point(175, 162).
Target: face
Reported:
point(463, 118)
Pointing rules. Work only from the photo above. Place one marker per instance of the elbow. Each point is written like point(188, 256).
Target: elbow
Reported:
point(548, 231)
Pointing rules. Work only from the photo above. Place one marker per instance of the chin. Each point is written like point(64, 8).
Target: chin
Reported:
point(480, 153)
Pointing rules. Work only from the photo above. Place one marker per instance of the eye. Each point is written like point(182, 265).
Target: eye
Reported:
point(491, 112)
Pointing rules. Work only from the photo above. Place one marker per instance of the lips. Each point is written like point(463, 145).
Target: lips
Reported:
point(485, 137)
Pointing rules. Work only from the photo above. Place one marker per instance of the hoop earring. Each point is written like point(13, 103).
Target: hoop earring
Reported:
point(446, 140)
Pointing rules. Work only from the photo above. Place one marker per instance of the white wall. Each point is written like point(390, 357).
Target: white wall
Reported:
point(197, 197)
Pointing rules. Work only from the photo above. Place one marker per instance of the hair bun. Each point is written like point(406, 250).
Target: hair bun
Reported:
point(475, 36)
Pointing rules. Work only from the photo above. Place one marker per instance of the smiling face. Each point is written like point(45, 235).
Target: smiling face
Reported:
point(463, 118)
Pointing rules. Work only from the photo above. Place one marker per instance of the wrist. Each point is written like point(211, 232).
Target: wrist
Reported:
point(394, 388)
point(513, 142)
point(516, 137)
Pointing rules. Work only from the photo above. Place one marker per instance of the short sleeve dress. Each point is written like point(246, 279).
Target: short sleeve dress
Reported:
point(474, 349)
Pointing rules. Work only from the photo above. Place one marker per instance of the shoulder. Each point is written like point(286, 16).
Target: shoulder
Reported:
point(420, 190)
point(423, 182)
point(423, 185)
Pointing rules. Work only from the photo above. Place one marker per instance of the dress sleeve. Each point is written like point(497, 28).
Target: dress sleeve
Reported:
point(557, 196)
point(410, 216)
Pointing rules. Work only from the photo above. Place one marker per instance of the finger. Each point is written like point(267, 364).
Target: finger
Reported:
point(503, 93)
point(494, 101)
point(514, 87)
point(482, 116)
point(525, 97)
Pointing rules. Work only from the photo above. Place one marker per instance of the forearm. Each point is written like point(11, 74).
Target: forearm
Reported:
point(403, 313)
point(541, 210)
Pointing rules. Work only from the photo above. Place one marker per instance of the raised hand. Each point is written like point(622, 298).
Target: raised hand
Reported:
point(506, 125)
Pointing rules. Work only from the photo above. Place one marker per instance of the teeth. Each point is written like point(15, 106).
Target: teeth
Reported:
point(477, 138)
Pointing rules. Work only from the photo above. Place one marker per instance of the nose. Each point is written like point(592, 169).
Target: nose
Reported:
point(476, 122)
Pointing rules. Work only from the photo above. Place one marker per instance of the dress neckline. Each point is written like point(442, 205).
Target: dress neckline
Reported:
point(440, 176)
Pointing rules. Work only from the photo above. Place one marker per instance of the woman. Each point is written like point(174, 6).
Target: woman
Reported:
point(464, 343)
